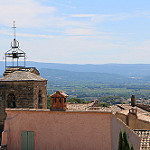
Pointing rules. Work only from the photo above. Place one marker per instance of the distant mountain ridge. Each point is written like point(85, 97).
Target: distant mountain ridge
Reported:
point(129, 70)
point(62, 75)
point(90, 72)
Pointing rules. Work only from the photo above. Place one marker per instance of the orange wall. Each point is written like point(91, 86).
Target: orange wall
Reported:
point(60, 130)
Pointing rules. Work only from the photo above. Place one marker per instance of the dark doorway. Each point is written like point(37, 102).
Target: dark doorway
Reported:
point(11, 103)
point(40, 100)
point(1, 130)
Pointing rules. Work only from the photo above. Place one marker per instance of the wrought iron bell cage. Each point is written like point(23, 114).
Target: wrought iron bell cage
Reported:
point(13, 55)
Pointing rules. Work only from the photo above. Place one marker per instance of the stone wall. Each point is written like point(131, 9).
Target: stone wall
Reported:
point(133, 121)
point(27, 93)
point(40, 88)
point(2, 110)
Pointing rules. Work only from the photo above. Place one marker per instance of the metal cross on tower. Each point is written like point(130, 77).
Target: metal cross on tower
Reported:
point(15, 54)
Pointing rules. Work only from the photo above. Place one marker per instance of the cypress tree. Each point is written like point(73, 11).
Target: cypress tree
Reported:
point(132, 147)
point(125, 145)
point(120, 141)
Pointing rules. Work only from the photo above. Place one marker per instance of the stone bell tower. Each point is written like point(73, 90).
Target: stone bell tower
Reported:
point(15, 54)
point(23, 86)
point(20, 86)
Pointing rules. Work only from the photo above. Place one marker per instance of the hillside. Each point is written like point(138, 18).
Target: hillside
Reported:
point(95, 81)
point(128, 70)
point(62, 75)
point(104, 73)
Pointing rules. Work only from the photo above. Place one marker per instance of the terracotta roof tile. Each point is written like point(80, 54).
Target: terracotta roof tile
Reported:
point(59, 93)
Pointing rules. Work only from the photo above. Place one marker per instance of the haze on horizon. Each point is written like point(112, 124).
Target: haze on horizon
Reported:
point(78, 32)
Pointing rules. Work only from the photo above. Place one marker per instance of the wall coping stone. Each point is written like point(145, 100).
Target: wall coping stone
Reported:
point(47, 110)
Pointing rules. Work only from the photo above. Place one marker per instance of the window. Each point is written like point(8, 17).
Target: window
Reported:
point(54, 100)
point(27, 140)
point(65, 100)
point(1, 130)
point(40, 100)
point(59, 100)
point(11, 103)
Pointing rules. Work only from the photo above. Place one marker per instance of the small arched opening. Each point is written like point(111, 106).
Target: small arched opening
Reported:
point(11, 103)
point(40, 100)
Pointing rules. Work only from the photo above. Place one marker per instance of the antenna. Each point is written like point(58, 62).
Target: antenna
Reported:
point(14, 27)
point(15, 43)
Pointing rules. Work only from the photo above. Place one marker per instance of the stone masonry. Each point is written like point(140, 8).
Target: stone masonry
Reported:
point(22, 89)
point(27, 94)
point(2, 110)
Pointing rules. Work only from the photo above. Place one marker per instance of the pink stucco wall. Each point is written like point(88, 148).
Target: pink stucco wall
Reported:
point(118, 125)
point(60, 130)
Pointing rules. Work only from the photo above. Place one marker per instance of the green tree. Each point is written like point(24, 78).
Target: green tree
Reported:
point(49, 102)
point(125, 141)
point(75, 100)
point(132, 147)
point(120, 141)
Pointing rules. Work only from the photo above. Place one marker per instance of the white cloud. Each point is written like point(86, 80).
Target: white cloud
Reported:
point(83, 15)
point(27, 13)
point(6, 32)
point(69, 49)
point(31, 14)
point(80, 31)
point(76, 38)
point(89, 32)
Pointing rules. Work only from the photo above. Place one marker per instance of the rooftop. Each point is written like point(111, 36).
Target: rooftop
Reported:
point(59, 93)
point(141, 114)
point(22, 76)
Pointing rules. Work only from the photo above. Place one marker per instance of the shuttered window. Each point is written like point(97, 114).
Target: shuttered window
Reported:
point(27, 140)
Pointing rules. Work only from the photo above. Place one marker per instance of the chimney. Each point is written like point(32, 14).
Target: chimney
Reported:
point(133, 100)
point(59, 101)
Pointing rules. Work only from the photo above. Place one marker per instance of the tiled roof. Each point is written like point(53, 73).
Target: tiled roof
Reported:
point(22, 76)
point(112, 108)
point(13, 69)
point(81, 107)
point(141, 114)
point(61, 93)
point(145, 139)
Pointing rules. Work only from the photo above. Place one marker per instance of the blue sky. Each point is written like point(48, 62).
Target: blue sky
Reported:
point(78, 31)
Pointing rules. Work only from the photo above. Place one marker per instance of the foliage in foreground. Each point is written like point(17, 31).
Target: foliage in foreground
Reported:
point(49, 102)
point(123, 142)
